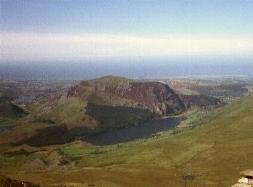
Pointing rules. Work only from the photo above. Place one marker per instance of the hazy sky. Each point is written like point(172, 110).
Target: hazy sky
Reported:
point(45, 30)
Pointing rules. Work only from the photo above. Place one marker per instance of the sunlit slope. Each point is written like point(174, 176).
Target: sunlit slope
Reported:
point(226, 144)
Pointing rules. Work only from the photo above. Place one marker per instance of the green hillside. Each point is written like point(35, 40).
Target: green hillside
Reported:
point(211, 154)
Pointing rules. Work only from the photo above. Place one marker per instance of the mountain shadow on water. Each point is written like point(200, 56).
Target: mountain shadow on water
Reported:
point(115, 124)
point(125, 134)
point(107, 117)
point(110, 117)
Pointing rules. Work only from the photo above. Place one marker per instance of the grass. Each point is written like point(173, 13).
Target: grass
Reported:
point(69, 111)
point(214, 150)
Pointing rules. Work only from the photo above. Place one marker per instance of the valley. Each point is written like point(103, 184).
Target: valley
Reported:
point(102, 132)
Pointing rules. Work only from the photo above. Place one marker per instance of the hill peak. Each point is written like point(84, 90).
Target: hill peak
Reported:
point(113, 90)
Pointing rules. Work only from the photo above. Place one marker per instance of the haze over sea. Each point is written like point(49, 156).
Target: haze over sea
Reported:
point(152, 68)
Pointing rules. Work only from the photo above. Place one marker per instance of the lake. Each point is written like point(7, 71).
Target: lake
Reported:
point(144, 130)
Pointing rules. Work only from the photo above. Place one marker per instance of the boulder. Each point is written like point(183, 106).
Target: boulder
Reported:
point(243, 180)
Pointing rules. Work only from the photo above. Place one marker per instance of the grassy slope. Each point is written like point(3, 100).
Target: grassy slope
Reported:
point(214, 153)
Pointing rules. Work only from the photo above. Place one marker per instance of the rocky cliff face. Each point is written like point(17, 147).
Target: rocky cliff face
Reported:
point(155, 96)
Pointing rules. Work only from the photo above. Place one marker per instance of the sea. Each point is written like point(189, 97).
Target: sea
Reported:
point(136, 69)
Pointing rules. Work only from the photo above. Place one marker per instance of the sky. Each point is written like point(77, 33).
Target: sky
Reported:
point(93, 30)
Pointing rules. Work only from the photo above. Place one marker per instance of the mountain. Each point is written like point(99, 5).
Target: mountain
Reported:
point(159, 98)
point(110, 95)
point(99, 105)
